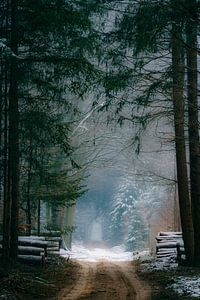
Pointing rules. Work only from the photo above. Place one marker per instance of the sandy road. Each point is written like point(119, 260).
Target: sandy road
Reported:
point(105, 280)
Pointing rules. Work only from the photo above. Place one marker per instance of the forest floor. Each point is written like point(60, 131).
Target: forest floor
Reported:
point(74, 280)
point(113, 273)
point(170, 281)
point(104, 280)
point(89, 274)
point(106, 274)
point(26, 282)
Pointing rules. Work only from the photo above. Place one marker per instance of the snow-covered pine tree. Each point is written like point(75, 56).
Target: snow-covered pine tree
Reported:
point(127, 224)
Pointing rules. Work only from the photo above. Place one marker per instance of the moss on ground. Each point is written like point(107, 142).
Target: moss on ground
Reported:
point(30, 282)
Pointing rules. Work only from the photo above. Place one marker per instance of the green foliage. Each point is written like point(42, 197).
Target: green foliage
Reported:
point(138, 79)
point(57, 46)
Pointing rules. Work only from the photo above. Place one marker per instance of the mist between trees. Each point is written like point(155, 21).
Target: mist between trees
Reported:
point(95, 87)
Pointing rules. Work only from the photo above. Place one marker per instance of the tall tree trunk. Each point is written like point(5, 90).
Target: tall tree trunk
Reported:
point(178, 102)
point(68, 225)
point(28, 206)
point(7, 183)
point(177, 225)
point(193, 123)
point(1, 129)
point(38, 216)
point(14, 135)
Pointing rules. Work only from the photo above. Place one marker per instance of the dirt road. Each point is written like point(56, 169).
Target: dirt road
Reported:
point(105, 280)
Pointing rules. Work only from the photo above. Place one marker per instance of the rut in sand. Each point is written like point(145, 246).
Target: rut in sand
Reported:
point(105, 280)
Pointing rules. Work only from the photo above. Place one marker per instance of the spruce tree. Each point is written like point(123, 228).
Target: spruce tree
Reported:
point(47, 55)
point(148, 68)
point(193, 118)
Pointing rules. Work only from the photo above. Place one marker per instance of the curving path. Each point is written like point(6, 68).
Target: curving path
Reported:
point(104, 280)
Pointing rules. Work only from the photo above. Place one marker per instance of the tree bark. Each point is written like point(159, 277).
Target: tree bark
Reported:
point(13, 149)
point(28, 208)
point(178, 103)
point(1, 128)
point(6, 194)
point(6, 177)
point(193, 123)
point(38, 216)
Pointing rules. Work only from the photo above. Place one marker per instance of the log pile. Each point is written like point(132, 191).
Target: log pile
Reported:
point(36, 249)
point(168, 243)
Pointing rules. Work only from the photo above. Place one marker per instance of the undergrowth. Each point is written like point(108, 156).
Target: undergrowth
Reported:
point(161, 281)
point(25, 282)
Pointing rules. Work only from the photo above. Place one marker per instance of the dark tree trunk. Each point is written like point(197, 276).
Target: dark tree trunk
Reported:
point(6, 196)
point(13, 151)
point(1, 129)
point(28, 212)
point(193, 123)
point(38, 216)
point(6, 177)
point(178, 102)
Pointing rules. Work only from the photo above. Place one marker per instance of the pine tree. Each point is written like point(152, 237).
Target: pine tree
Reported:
point(47, 56)
point(178, 100)
point(147, 71)
point(127, 224)
point(193, 119)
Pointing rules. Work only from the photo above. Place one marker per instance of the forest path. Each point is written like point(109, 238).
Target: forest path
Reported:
point(104, 280)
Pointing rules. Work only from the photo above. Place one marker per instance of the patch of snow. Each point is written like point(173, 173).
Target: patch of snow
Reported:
point(142, 256)
point(4, 49)
point(79, 252)
point(187, 286)
point(166, 263)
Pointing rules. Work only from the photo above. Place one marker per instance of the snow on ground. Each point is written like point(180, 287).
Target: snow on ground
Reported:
point(80, 252)
point(142, 256)
point(160, 264)
point(187, 286)
point(184, 286)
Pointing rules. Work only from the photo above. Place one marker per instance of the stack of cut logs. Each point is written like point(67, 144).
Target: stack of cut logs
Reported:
point(168, 244)
point(35, 249)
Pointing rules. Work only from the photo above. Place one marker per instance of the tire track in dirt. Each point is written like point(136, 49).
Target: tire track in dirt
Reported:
point(123, 289)
point(82, 285)
point(106, 280)
point(128, 273)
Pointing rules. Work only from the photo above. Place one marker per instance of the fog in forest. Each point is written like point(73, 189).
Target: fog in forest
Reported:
point(126, 203)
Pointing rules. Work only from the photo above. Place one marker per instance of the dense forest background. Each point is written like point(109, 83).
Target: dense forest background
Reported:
point(95, 87)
